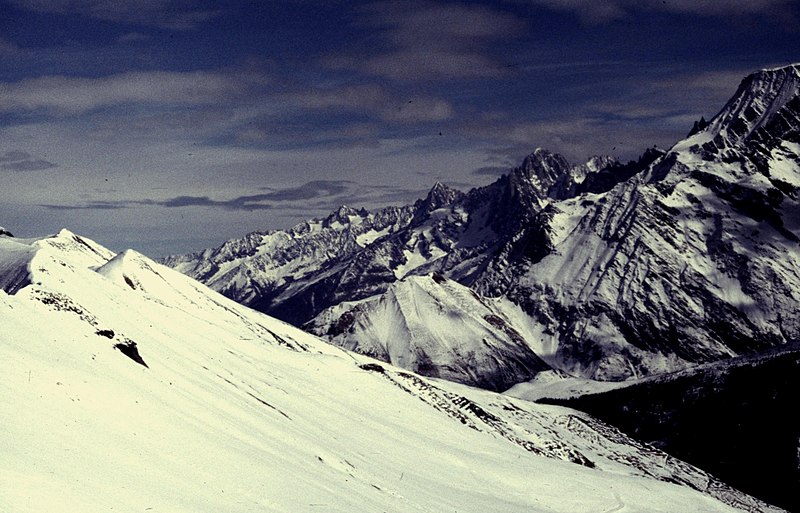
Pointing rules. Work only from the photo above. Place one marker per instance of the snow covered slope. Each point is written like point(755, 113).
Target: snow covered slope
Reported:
point(436, 327)
point(130, 387)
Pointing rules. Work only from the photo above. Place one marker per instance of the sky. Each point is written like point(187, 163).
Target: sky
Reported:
point(169, 125)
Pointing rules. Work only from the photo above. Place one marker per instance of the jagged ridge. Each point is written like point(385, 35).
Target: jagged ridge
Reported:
point(628, 270)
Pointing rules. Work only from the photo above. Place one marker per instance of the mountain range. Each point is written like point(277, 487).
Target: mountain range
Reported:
point(389, 360)
point(559, 280)
point(685, 256)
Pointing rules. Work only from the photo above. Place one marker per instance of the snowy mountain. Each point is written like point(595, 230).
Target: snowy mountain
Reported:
point(626, 270)
point(694, 260)
point(355, 254)
point(436, 327)
point(131, 387)
point(269, 269)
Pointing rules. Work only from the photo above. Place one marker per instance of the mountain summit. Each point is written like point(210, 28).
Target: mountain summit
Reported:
point(767, 99)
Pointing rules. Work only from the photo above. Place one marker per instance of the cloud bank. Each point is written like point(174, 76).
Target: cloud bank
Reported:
point(75, 95)
point(610, 10)
point(432, 41)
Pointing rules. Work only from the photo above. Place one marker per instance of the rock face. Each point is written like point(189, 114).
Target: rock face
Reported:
point(625, 270)
point(728, 418)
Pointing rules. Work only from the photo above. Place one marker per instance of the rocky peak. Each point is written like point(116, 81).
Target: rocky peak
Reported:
point(439, 196)
point(550, 175)
point(543, 169)
point(698, 126)
point(616, 172)
point(341, 215)
point(570, 185)
point(758, 99)
point(5, 232)
point(595, 164)
point(442, 193)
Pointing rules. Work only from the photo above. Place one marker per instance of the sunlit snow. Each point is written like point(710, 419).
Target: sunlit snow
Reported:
point(238, 412)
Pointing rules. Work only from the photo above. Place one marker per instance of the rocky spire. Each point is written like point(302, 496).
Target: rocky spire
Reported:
point(543, 169)
point(439, 196)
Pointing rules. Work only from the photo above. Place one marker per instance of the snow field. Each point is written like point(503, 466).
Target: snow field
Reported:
point(238, 412)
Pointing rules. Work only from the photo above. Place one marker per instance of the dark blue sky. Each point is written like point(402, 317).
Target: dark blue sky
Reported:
point(168, 125)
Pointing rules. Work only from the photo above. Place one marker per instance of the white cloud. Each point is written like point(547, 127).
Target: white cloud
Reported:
point(719, 83)
point(15, 156)
point(169, 14)
point(674, 96)
point(577, 137)
point(418, 110)
point(29, 165)
point(659, 111)
point(132, 37)
point(723, 8)
point(73, 95)
point(8, 48)
point(366, 96)
point(18, 160)
point(414, 63)
point(377, 102)
point(435, 24)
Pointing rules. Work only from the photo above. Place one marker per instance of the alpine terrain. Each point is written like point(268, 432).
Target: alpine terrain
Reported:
point(605, 271)
point(559, 280)
point(131, 387)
